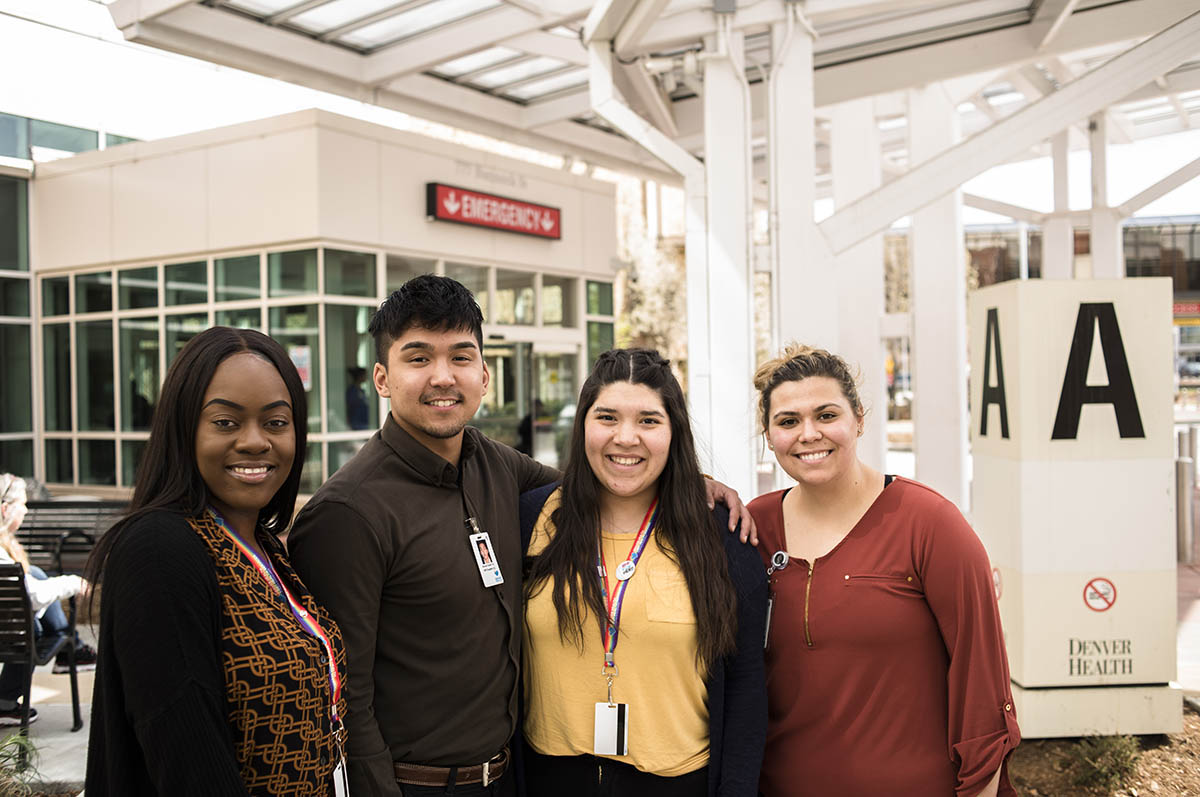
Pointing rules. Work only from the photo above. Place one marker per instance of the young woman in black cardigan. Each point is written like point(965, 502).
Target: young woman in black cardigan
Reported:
point(218, 674)
point(643, 666)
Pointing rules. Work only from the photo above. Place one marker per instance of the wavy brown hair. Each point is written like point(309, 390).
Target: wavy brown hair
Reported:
point(797, 362)
point(685, 530)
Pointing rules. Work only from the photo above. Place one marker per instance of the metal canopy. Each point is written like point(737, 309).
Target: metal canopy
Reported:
point(517, 69)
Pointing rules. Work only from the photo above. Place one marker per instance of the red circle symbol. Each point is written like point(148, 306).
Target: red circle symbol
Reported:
point(1099, 594)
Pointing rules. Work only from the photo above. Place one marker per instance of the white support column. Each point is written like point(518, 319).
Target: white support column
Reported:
point(1108, 255)
point(855, 159)
point(802, 253)
point(1058, 237)
point(938, 291)
point(727, 164)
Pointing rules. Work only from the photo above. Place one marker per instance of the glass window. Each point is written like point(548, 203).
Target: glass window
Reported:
point(56, 373)
point(237, 278)
point(139, 372)
point(62, 137)
point(248, 318)
point(292, 273)
point(599, 338)
point(475, 279)
point(558, 301)
point(131, 455)
point(14, 296)
point(97, 462)
point(400, 269)
point(599, 298)
point(181, 329)
point(310, 477)
point(16, 456)
point(94, 372)
point(14, 223)
point(60, 467)
point(514, 297)
point(16, 382)
point(187, 283)
point(296, 329)
point(93, 292)
point(138, 288)
point(350, 356)
point(349, 273)
point(14, 136)
point(56, 295)
point(115, 141)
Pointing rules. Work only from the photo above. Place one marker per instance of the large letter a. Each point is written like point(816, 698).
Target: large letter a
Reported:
point(1075, 390)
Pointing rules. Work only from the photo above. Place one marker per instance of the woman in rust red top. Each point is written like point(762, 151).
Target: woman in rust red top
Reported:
point(886, 670)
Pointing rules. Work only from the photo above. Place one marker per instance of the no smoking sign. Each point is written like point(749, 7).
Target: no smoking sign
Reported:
point(1099, 594)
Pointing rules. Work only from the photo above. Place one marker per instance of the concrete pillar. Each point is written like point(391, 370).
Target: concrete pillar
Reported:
point(1058, 237)
point(939, 293)
point(855, 161)
point(731, 344)
point(1108, 253)
point(802, 254)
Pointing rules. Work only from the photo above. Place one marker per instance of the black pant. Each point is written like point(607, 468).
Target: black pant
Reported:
point(591, 776)
point(506, 786)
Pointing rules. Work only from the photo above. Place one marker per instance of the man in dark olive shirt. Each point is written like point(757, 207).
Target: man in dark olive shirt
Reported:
point(389, 544)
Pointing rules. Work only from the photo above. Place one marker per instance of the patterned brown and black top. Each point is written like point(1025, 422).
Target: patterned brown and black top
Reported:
point(276, 676)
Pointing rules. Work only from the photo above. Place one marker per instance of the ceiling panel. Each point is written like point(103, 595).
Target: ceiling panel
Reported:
point(414, 21)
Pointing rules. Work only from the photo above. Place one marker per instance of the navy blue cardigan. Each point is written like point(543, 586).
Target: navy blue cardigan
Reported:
point(737, 686)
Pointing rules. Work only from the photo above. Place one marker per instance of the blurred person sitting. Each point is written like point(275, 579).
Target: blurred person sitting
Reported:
point(45, 592)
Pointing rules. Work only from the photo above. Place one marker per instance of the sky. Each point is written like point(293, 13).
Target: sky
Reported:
point(78, 70)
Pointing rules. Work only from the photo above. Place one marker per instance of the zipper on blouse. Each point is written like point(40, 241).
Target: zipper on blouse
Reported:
point(812, 566)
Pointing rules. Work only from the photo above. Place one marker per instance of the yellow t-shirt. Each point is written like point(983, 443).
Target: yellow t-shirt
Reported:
point(656, 655)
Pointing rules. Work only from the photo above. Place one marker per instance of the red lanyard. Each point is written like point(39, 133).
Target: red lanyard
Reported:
point(615, 597)
point(306, 620)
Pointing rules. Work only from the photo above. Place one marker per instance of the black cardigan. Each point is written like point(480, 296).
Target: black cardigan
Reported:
point(737, 687)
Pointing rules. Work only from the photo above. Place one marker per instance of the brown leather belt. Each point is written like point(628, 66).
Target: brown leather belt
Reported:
point(422, 775)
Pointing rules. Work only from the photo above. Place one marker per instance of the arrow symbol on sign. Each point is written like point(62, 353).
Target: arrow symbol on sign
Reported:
point(451, 204)
point(547, 222)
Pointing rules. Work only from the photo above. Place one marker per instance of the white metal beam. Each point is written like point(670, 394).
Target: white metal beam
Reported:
point(1163, 187)
point(558, 109)
point(1048, 20)
point(998, 49)
point(1015, 212)
point(1028, 126)
point(539, 42)
point(639, 87)
point(605, 19)
point(129, 12)
point(644, 14)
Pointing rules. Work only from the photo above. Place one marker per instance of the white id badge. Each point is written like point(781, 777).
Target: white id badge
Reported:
point(485, 559)
point(612, 729)
point(341, 784)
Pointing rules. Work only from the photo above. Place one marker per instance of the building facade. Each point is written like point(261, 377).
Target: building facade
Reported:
point(299, 225)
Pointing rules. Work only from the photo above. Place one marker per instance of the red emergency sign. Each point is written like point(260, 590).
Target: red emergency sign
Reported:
point(461, 205)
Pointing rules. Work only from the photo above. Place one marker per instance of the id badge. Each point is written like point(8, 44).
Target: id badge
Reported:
point(612, 729)
point(341, 783)
point(485, 559)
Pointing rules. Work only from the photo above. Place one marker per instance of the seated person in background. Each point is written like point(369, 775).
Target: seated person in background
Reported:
point(44, 593)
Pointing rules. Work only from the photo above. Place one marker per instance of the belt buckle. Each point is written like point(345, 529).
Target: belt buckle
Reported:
point(486, 767)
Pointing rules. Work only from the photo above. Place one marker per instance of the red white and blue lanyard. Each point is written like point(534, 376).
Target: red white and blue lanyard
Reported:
point(306, 620)
point(614, 598)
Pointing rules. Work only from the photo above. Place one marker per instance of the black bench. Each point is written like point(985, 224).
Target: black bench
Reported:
point(20, 644)
point(58, 536)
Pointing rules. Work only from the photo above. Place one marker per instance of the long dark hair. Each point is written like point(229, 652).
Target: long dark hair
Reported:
point(167, 475)
point(685, 530)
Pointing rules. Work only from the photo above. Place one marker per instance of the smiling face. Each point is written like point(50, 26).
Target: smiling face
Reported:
point(627, 437)
point(813, 429)
point(245, 439)
point(434, 382)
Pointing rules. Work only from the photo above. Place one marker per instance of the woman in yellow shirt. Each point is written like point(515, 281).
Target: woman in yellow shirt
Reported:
point(666, 696)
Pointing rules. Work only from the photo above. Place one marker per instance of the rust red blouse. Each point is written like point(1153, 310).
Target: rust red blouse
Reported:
point(886, 670)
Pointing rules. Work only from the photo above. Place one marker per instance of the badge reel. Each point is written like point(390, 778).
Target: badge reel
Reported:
point(779, 560)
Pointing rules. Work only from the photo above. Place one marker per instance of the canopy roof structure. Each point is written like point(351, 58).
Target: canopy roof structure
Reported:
point(517, 69)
